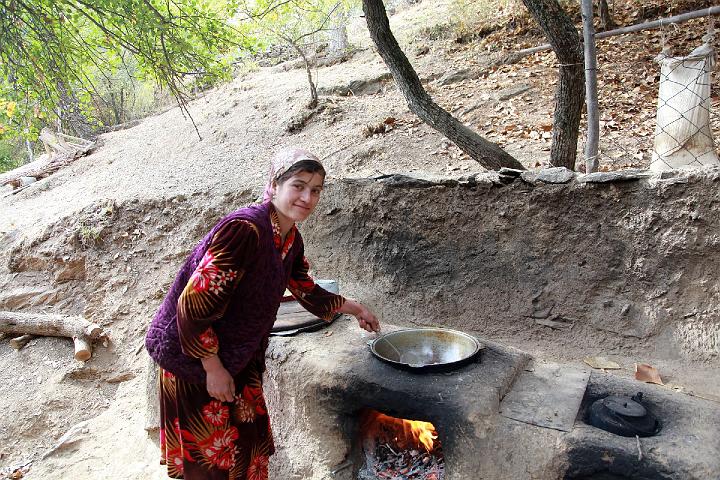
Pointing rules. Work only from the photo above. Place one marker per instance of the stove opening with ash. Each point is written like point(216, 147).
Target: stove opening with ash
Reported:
point(399, 449)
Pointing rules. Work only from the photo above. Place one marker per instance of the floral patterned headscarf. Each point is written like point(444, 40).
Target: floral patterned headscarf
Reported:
point(281, 163)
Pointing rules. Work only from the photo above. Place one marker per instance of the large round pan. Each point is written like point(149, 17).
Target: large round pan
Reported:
point(426, 349)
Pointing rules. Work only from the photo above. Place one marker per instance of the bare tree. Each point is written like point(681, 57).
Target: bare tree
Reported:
point(570, 93)
point(338, 32)
point(295, 34)
point(606, 20)
point(488, 154)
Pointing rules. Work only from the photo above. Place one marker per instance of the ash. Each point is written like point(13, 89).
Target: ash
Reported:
point(387, 463)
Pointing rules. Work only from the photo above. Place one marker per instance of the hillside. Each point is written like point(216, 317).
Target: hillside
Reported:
point(104, 236)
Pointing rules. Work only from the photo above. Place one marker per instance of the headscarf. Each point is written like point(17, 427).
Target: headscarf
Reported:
point(281, 163)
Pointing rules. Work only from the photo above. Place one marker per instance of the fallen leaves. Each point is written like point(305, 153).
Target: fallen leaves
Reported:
point(647, 373)
point(385, 126)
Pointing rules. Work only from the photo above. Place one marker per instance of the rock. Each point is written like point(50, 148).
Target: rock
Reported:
point(457, 76)
point(528, 177)
point(26, 181)
point(368, 86)
point(73, 269)
point(510, 172)
point(75, 434)
point(667, 177)
point(27, 296)
point(555, 175)
point(508, 93)
point(506, 179)
point(121, 377)
point(618, 176)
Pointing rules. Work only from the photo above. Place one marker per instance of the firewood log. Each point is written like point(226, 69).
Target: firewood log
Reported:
point(80, 330)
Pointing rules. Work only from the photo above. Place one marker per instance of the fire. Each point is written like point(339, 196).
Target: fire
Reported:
point(404, 433)
point(422, 431)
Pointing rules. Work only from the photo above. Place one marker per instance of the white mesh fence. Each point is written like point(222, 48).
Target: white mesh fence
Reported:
point(660, 115)
point(683, 136)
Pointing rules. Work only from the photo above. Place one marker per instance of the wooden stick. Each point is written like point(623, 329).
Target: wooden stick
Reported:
point(19, 342)
point(705, 12)
point(80, 330)
point(83, 348)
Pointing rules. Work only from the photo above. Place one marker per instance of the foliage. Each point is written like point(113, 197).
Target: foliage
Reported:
point(10, 156)
point(301, 24)
point(53, 51)
point(122, 95)
point(294, 22)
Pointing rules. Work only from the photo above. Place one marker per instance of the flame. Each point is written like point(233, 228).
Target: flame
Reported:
point(410, 433)
point(424, 432)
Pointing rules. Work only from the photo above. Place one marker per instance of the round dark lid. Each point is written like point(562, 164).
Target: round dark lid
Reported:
point(624, 406)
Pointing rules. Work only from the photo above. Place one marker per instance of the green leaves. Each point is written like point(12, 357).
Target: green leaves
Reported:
point(51, 47)
point(294, 22)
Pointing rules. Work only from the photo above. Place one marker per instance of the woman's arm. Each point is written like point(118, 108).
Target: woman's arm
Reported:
point(220, 383)
point(322, 303)
point(206, 297)
point(366, 319)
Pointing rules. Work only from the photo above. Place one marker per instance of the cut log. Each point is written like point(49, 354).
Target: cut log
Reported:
point(83, 348)
point(80, 330)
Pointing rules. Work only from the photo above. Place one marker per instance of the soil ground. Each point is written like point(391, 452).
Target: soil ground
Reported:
point(104, 236)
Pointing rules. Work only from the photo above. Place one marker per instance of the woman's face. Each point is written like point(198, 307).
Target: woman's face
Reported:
point(297, 197)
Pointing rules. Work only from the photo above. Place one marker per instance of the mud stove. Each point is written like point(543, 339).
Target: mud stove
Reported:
point(339, 413)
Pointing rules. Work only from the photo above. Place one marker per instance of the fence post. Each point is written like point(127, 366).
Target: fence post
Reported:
point(591, 98)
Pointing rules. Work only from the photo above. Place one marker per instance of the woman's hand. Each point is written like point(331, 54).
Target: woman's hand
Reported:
point(366, 319)
point(220, 384)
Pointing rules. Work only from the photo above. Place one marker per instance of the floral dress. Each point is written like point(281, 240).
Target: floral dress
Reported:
point(201, 437)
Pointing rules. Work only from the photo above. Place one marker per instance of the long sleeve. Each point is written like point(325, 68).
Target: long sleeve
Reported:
point(312, 297)
point(210, 288)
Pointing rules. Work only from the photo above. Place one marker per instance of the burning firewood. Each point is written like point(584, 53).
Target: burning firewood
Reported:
point(399, 449)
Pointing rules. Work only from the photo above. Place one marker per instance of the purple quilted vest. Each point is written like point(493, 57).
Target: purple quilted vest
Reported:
point(245, 327)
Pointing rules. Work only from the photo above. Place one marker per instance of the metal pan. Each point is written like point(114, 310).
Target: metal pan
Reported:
point(426, 349)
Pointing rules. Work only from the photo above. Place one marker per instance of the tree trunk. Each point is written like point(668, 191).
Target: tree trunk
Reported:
point(570, 93)
point(338, 33)
point(71, 115)
point(488, 154)
point(308, 69)
point(80, 330)
point(31, 157)
point(606, 20)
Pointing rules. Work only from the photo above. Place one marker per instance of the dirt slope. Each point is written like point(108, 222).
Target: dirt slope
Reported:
point(104, 236)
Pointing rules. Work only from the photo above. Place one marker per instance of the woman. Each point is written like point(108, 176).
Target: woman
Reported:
point(211, 332)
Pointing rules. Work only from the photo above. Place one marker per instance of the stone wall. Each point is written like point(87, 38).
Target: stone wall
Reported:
point(619, 258)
